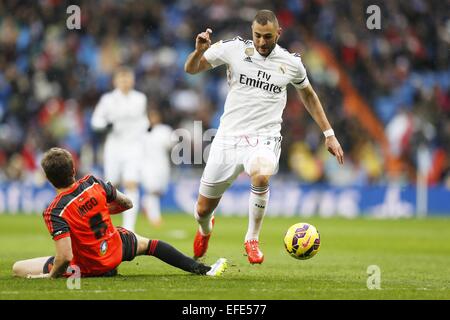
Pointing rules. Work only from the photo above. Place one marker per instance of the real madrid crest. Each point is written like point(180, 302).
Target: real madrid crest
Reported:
point(282, 68)
point(249, 51)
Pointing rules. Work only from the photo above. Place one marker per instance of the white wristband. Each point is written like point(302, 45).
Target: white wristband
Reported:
point(328, 133)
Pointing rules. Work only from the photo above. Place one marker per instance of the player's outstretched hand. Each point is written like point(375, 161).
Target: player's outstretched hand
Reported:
point(203, 41)
point(334, 148)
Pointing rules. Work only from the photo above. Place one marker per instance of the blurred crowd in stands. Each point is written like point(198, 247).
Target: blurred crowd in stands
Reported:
point(51, 78)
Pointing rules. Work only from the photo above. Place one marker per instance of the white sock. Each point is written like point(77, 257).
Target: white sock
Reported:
point(152, 208)
point(130, 216)
point(205, 222)
point(257, 204)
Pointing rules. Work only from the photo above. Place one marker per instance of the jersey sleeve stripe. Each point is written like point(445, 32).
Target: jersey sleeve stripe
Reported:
point(300, 81)
point(48, 211)
point(85, 178)
point(236, 38)
point(62, 235)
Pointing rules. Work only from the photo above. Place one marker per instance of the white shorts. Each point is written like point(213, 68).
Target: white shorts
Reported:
point(122, 163)
point(229, 156)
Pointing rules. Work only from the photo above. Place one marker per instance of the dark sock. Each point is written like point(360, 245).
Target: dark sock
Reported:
point(165, 252)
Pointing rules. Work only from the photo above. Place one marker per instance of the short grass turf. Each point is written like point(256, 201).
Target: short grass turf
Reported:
point(413, 256)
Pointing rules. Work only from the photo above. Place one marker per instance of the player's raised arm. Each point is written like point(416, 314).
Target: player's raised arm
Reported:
point(315, 109)
point(120, 204)
point(196, 62)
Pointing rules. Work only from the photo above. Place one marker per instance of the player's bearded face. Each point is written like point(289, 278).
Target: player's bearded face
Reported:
point(265, 37)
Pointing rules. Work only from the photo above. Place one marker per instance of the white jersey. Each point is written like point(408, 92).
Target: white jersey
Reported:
point(157, 146)
point(155, 163)
point(257, 86)
point(126, 112)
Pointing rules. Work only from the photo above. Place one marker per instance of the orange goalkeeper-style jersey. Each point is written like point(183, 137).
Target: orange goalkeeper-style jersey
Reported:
point(82, 213)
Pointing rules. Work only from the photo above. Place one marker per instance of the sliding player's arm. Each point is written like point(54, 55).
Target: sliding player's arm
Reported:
point(116, 201)
point(315, 109)
point(63, 257)
point(120, 204)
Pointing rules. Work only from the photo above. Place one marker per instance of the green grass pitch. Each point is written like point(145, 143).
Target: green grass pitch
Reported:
point(413, 256)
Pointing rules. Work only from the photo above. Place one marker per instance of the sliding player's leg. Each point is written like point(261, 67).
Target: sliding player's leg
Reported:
point(30, 267)
point(170, 255)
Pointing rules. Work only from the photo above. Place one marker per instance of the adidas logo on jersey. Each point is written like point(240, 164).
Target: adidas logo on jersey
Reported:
point(248, 59)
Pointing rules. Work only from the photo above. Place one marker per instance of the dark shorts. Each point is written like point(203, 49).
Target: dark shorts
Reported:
point(129, 244)
point(48, 265)
point(129, 251)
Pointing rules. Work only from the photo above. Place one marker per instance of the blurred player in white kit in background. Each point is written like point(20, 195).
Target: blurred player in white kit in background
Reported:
point(123, 113)
point(155, 167)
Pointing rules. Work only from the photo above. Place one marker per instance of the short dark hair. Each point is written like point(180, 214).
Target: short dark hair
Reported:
point(58, 167)
point(265, 16)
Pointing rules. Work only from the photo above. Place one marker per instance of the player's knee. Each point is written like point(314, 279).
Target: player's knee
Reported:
point(261, 166)
point(204, 209)
point(17, 269)
point(143, 244)
point(259, 180)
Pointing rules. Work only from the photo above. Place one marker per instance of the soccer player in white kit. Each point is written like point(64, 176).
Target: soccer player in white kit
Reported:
point(155, 169)
point(248, 138)
point(123, 112)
